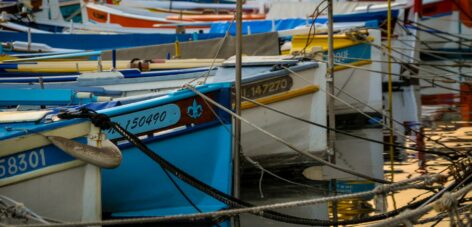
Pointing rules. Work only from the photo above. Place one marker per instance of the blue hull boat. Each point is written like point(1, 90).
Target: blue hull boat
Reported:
point(101, 41)
point(179, 126)
point(217, 30)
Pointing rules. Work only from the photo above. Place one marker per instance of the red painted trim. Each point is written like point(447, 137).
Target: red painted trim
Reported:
point(101, 17)
point(440, 99)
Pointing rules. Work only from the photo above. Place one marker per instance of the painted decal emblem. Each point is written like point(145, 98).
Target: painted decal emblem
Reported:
point(195, 110)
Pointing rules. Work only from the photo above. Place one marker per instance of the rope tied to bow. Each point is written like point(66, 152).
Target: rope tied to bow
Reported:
point(381, 189)
point(101, 121)
point(406, 218)
point(446, 203)
point(437, 178)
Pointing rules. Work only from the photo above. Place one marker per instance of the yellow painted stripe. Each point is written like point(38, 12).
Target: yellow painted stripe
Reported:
point(6, 57)
point(357, 63)
point(340, 41)
point(281, 96)
point(285, 52)
point(41, 172)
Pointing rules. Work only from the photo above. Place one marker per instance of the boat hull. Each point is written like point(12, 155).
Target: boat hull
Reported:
point(162, 124)
point(152, 192)
point(305, 103)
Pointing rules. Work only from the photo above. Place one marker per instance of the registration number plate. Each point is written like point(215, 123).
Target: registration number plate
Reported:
point(267, 87)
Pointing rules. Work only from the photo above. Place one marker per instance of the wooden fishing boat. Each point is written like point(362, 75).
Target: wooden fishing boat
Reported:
point(440, 26)
point(410, 44)
point(213, 17)
point(9, 6)
point(114, 84)
point(365, 86)
point(370, 19)
point(138, 19)
point(38, 168)
point(101, 41)
point(362, 84)
point(57, 10)
point(189, 6)
point(44, 97)
point(43, 22)
point(295, 93)
point(54, 17)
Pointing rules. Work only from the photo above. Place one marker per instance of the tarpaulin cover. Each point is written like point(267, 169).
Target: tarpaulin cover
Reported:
point(260, 44)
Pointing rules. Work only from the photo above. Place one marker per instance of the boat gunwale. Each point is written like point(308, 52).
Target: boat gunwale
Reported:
point(116, 111)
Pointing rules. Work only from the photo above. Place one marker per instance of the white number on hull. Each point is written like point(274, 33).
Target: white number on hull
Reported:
point(22, 162)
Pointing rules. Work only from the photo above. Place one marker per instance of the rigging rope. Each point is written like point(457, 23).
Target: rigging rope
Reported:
point(446, 202)
point(370, 117)
point(278, 139)
point(448, 156)
point(104, 122)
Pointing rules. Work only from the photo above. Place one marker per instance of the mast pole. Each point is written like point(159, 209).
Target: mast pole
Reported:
point(237, 103)
point(390, 89)
point(331, 114)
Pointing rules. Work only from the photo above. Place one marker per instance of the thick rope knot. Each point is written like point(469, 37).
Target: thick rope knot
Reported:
point(99, 120)
point(18, 210)
point(446, 203)
point(437, 178)
point(381, 189)
point(407, 223)
point(407, 217)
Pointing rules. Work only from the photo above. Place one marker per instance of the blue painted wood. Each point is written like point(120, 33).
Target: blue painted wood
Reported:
point(28, 77)
point(348, 55)
point(10, 130)
point(144, 190)
point(147, 120)
point(100, 41)
point(55, 56)
point(34, 160)
point(139, 187)
point(371, 19)
point(10, 97)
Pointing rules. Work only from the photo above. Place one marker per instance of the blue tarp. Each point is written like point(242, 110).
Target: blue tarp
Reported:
point(260, 26)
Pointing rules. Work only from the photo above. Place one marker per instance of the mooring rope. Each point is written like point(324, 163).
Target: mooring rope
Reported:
point(408, 63)
point(445, 203)
point(280, 140)
point(442, 215)
point(378, 112)
point(383, 46)
point(258, 210)
point(400, 134)
point(250, 160)
point(18, 210)
point(346, 133)
point(104, 122)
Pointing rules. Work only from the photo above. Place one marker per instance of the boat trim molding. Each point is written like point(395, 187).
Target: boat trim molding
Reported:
point(357, 63)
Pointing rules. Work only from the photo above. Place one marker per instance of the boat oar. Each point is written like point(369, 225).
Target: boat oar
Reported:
point(108, 156)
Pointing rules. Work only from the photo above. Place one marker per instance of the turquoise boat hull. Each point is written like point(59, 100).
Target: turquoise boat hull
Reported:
point(139, 187)
point(179, 126)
